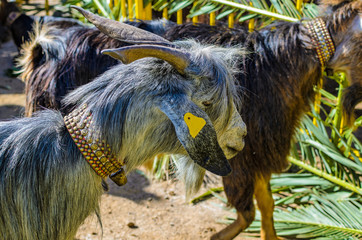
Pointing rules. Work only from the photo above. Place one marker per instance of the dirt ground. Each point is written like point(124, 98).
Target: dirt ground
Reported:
point(143, 208)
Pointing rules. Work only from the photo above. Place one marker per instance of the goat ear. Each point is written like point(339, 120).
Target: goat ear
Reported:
point(179, 59)
point(121, 31)
point(196, 133)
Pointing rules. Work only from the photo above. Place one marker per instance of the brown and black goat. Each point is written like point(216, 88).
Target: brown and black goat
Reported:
point(277, 79)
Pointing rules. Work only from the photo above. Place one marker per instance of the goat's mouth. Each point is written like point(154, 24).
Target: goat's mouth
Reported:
point(231, 151)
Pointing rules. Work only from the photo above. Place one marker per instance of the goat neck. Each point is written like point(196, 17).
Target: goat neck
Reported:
point(321, 39)
point(96, 152)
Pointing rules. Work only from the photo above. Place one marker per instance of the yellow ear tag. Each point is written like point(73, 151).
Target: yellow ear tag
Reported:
point(195, 124)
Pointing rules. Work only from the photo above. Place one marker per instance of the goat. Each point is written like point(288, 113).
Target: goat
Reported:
point(180, 101)
point(20, 25)
point(277, 79)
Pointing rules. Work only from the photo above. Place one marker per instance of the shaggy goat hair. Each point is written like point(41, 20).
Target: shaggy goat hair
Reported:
point(56, 60)
point(140, 109)
point(277, 80)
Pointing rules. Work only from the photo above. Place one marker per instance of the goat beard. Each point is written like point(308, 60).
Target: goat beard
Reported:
point(190, 173)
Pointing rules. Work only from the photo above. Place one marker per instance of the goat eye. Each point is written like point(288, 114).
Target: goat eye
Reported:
point(207, 103)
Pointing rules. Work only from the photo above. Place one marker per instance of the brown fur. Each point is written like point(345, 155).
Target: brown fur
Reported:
point(277, 80)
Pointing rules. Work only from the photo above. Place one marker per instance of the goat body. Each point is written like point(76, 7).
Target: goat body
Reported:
point(277, 79)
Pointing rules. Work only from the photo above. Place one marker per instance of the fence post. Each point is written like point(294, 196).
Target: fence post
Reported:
point(212, 18)
point(123, 9)
point(179, 16)
point(231, 20)
point(139, 8)
point(46, 7)
point(298, 5)
point(130, 10)
point(165, 13)
point(195, 19)
point(251, 24)
point(148, 11)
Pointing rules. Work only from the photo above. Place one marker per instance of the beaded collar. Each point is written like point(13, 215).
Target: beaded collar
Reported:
point(12, 17)
point(96, 152)
point(322, 39)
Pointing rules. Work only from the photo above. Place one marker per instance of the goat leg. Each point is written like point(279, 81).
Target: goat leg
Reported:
point(265, 204)
point(239, 189)
point(233, 229)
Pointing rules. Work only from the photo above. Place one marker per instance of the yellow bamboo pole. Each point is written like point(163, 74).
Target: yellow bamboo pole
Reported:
point(110, 4)
point(299, 5)
point(179, 16)
point(123, 9)
point(231, 20)
point(139, 9)
point(130, 9)
point(46, 7)
point(195, 20)
point(251, 22)
point(148, 11)
point(165, 13)
point(317, 101)
point(212, 19)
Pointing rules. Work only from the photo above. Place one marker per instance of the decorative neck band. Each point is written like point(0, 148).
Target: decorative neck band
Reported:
point(96, 152)
point(322, 39)
point(12, 17)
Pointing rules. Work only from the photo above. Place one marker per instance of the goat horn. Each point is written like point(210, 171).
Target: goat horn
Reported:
point(122, 31)
point(179, 59)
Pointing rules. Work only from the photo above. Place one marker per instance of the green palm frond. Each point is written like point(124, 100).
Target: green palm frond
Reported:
point(244, 10)
point(327, 148)
point(324, 219)
point(309, 207)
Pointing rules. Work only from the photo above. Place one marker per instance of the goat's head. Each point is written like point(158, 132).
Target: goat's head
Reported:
point(185, 85)
point(344, 22)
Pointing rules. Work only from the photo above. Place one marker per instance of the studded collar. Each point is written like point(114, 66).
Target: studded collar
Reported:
point(322, 39)
point(95, 151)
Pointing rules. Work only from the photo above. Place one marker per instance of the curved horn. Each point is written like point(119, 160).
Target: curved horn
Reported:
point(122, 31)
point(179, 59)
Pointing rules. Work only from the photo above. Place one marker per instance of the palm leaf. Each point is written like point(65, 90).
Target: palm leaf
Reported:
point(325, 219)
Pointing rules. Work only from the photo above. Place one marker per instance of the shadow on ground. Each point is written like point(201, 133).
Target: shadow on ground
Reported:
point(134, 189)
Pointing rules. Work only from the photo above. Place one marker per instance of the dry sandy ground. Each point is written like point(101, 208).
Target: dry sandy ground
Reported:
point(141, 209)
